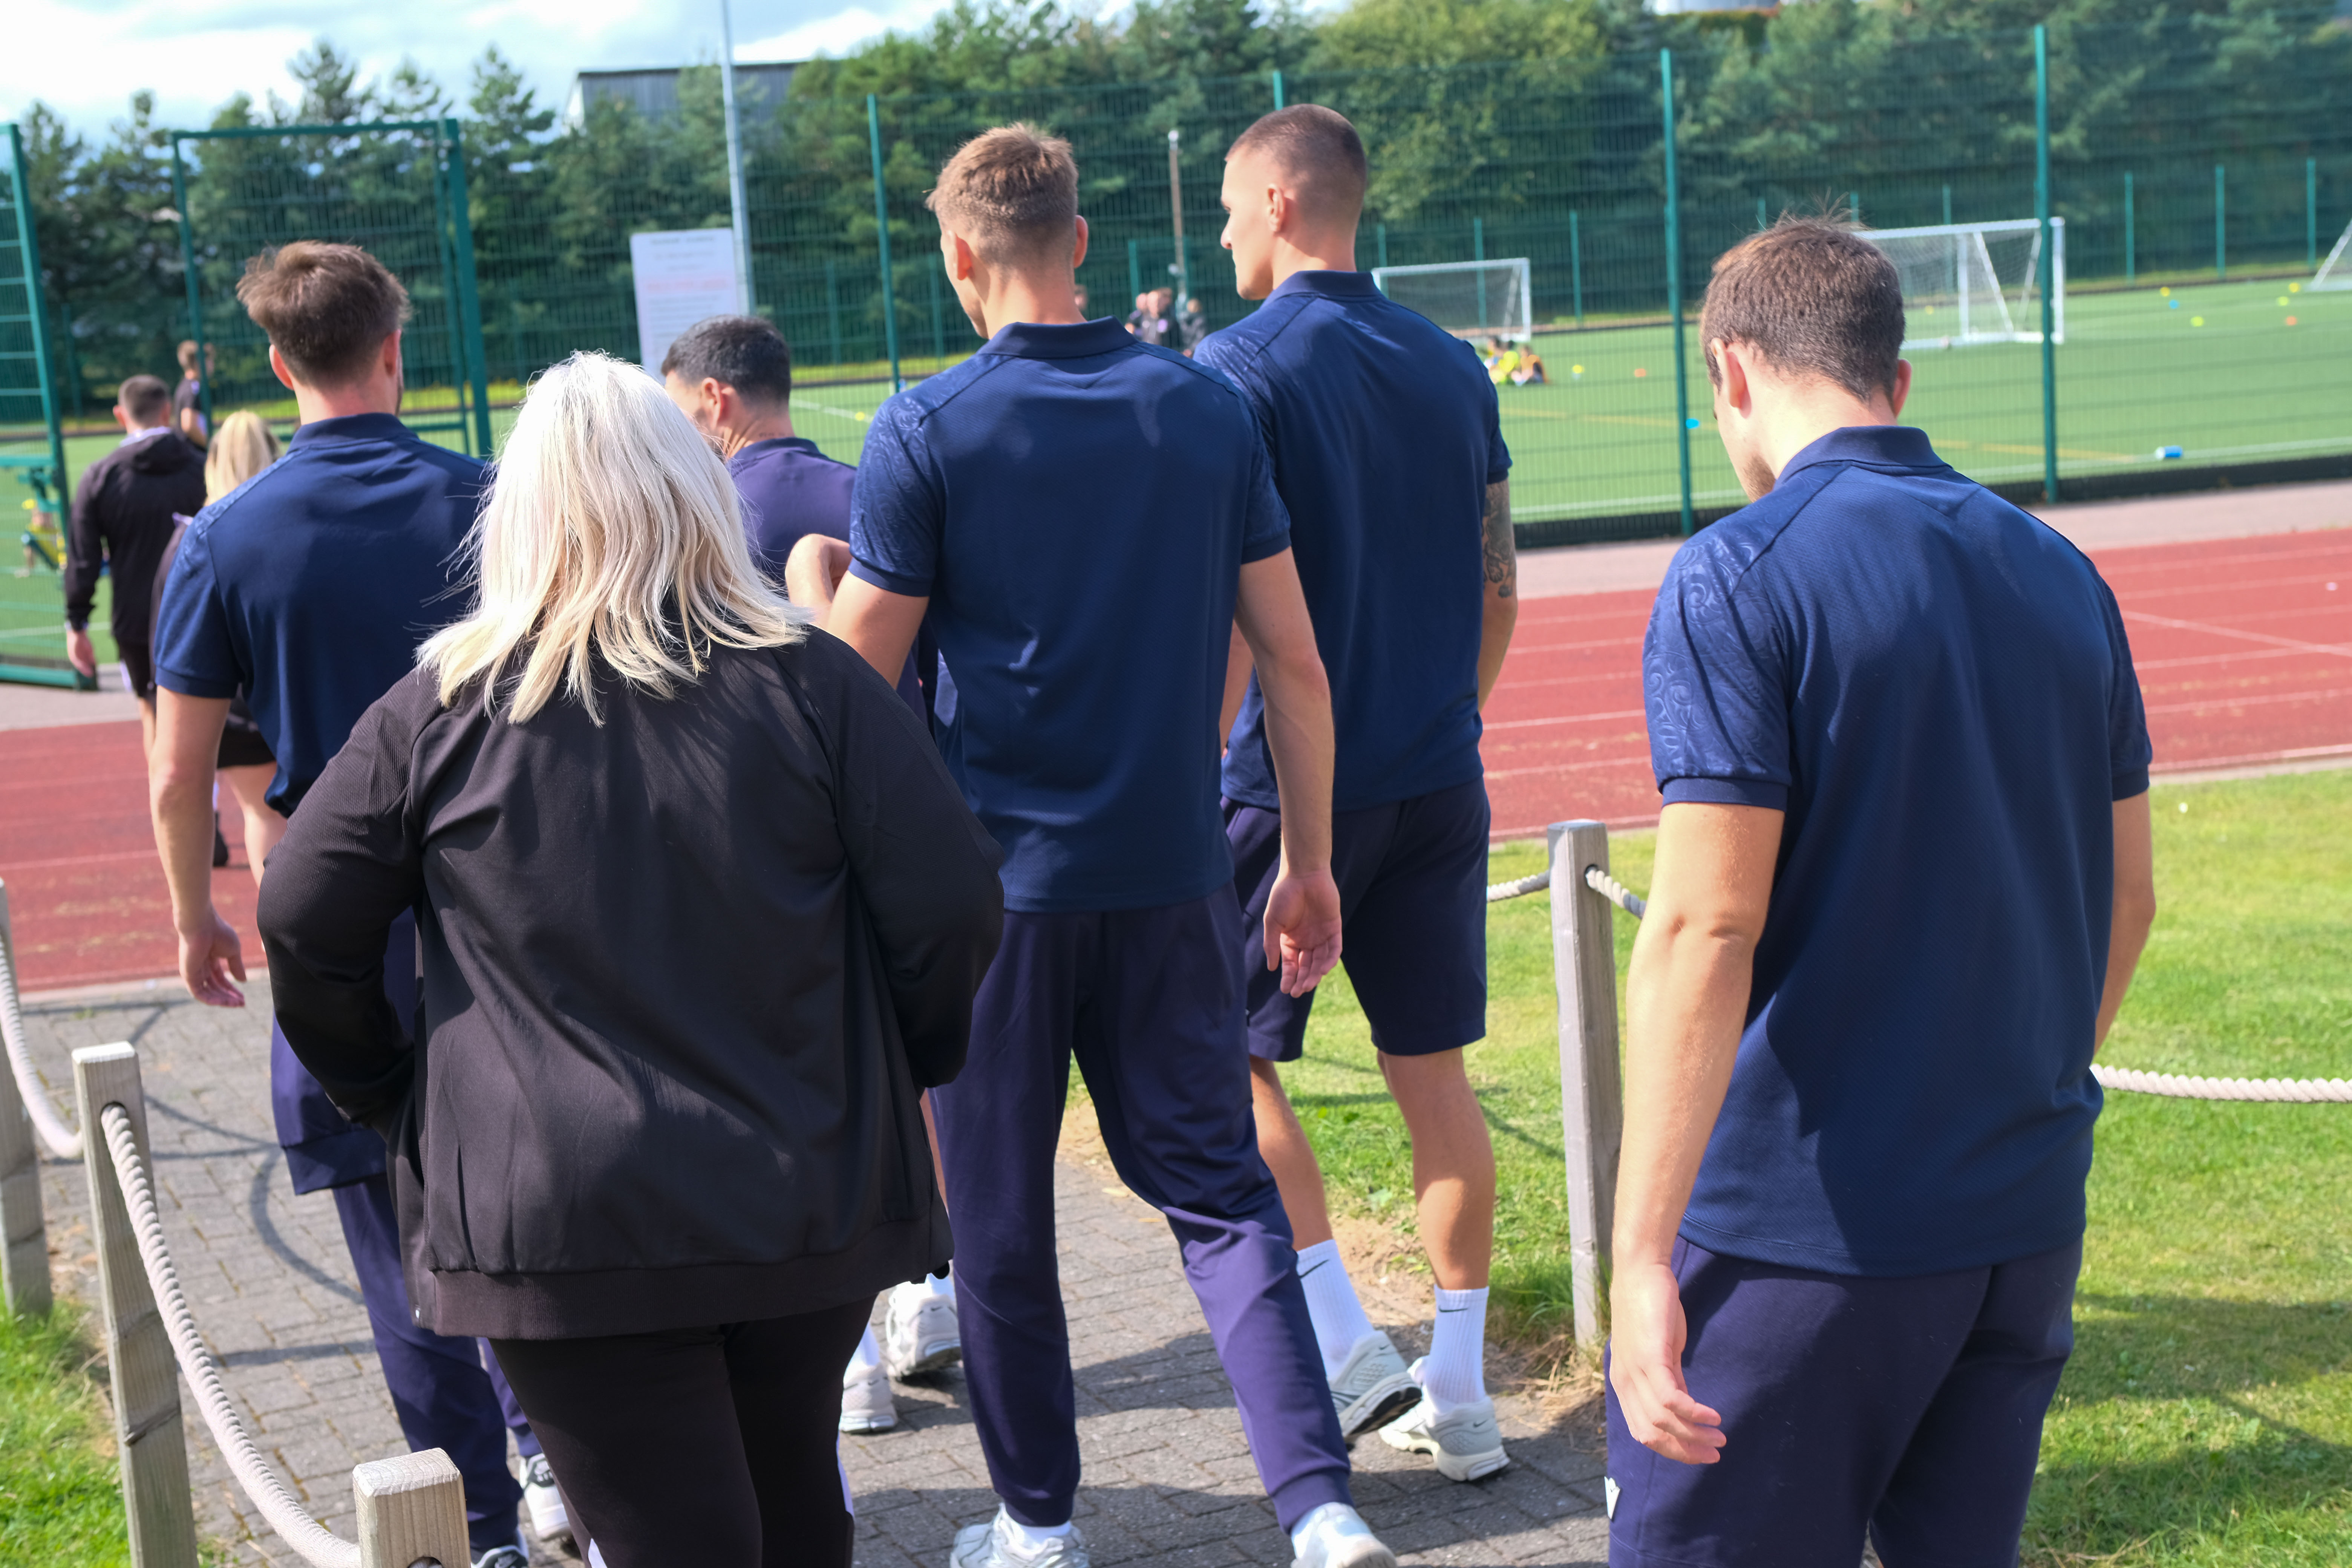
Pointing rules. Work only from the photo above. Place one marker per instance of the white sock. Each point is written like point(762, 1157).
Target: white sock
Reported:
point(1339, 1317)
point(867, 1358)
point(1028, 1539)
point(939, 1284)
point(1454, 1374)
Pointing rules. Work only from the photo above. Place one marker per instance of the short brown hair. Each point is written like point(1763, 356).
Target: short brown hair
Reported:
point(1317, 149)
point(1815, 298)
point(187, 353)
point(144, 398)
point(326, 308)
point(1014, 189)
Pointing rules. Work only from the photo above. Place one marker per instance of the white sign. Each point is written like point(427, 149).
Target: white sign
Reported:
point(683, 276)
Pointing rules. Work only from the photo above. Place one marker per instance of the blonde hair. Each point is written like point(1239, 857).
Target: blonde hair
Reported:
point(240, 449)
point(610, 531)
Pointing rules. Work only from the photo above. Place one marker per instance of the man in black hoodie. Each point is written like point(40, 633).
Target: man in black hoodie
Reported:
point(123, 518)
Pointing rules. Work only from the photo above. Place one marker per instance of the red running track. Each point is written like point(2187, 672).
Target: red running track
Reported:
point(2244, 649)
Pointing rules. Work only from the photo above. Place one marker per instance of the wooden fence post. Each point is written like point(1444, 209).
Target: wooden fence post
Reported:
point(1591, 1107)
point(147, 1426)
point(411, 1510)
point(23, 1235)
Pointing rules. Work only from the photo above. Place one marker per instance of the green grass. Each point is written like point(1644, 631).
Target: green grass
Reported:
point(2206, 1418)
point(60, 1493)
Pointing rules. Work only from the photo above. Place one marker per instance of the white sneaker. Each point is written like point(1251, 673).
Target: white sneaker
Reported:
point(550, 1520)
point(991, 1545)
point(1467, 1442)
point(1373, 1386)
point(866, 1401)
point(919, 1332)
point(1336, 1536)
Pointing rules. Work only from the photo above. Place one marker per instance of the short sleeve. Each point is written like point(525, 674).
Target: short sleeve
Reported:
point(2130, 752)
point(1498, 456)
point(195, 654)
point(1265, 529)
point(897, 507)
point(1715, 685)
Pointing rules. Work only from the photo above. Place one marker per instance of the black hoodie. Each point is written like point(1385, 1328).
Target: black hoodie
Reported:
point(122, 514)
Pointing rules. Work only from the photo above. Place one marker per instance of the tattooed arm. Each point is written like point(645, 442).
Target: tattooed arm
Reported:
point(1502, 592)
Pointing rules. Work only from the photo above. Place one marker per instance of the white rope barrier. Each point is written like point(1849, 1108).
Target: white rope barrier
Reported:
point(307, 1536)
point(2285, 1090)
point(1615, 891)
point(1534, 882)
point(59, 1139)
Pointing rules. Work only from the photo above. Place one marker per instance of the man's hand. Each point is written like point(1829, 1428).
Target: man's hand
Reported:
point(813, 571)
point(1646, 1332)
point(1302, 928)
point(80, 652)
point(210, 956)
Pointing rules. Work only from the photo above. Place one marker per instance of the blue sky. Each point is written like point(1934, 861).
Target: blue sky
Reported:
point(84, 57)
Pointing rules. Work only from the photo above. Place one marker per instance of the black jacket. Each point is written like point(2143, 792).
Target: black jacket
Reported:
point(122, 514)
point(684, 975)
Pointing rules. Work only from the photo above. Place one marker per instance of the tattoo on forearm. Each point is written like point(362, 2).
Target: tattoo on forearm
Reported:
point(1502, 548)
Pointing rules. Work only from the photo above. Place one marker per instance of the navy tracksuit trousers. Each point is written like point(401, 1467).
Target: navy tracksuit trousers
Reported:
point(1149, 1004)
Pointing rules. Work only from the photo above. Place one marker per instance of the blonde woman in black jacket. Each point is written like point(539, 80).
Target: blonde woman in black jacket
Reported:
point(700, 915)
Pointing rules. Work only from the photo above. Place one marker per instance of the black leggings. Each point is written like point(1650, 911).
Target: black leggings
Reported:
point(713, 1446)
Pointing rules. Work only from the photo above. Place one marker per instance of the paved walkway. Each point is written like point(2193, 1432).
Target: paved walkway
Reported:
point(1169, 1478)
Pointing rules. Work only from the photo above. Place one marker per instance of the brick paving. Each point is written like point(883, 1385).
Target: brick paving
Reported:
point(1168, 1478)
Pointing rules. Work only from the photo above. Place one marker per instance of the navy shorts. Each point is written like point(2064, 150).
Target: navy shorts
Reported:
point(1412, 895)
point(1908, 1408)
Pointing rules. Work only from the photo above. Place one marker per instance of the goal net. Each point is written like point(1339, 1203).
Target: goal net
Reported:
point(1475, 299)
point(2336, 272)
point(1976, 282)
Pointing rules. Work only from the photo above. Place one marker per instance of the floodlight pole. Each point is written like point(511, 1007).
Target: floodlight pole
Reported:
point(1674, 282)
point(738, 207)
point(2045, 264)
point(1176, 208)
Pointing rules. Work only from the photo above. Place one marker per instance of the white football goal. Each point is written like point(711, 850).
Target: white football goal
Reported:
point(2336, 272)
point(1976, 282)
point(1475, 300)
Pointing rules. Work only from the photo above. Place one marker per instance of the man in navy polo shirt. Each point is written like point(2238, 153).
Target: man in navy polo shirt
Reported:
point(311, 587)
point(1388, 451)
point(1086, 518)
point(1903, 877)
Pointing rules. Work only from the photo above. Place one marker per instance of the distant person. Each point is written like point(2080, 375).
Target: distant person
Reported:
point(1529, 370)
point(188, 396)
point(1191, 326)
point(240, 449)
point(1086, 517)
point(1389, 449)
point(1150, 322)
point(1502, 361)
point(732, 376)
point(310, 587)
point(123, 513)
point(1902, 877)
point(658, 1138)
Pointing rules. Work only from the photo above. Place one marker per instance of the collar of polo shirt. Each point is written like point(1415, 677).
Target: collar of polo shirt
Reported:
point(1038, 340)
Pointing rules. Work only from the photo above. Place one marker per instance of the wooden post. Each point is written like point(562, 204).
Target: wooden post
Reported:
point(1591, 1108)
point(23, 1235)
point(411, 1510)
point(147, 1427)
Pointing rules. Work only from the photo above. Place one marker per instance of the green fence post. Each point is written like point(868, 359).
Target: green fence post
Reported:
point(2220, 225)
point(1134, 267)
point(2311, 212)
point(1576, 265)
point(1675, 279)
point(1948, 206)
point(882, 234)
point(833, 307)
point(188, 271)
point(28, 248)
point(2131, 240)
point(1278, 101)
point(2044, 264)
point(470, 299)
point(1380, 236)
point(938, 322)
point(1478, 253)
point(1761, 224)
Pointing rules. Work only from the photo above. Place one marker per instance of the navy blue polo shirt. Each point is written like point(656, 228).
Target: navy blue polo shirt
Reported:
point(790, 490)
point(312, 584)
point(1384, 434)
point(1936, 690)
point(1078, 506)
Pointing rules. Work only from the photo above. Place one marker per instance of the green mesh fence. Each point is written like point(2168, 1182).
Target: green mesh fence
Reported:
point(31, 453)
point(2198, 171)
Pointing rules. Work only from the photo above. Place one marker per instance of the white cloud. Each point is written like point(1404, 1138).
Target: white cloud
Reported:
point(85, 58)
